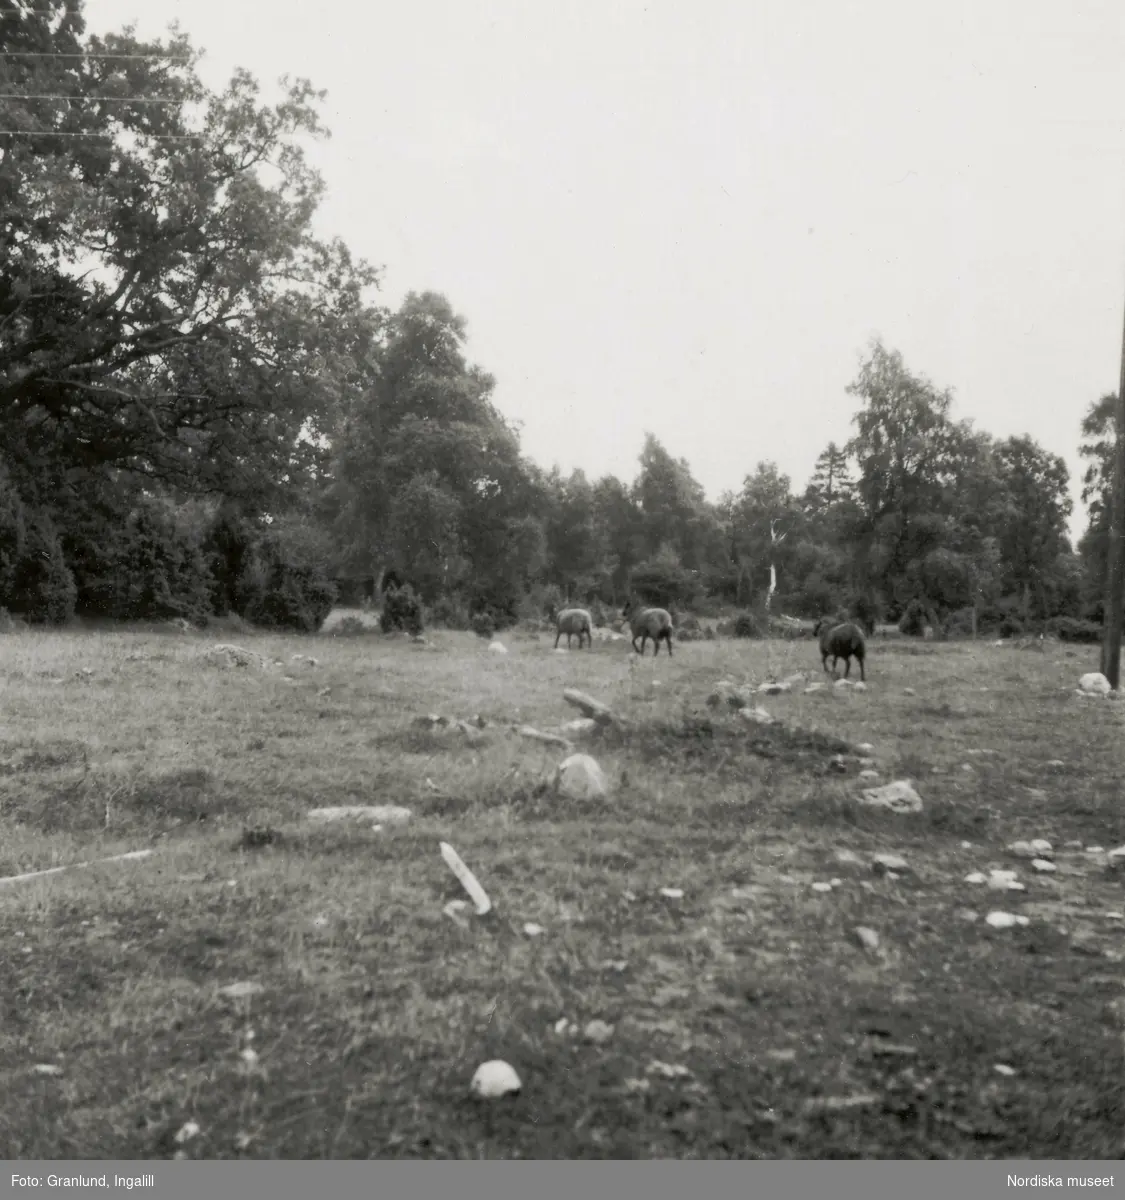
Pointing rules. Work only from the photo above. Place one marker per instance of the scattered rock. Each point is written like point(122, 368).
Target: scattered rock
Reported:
point(1095, 683)
point(186, 1133)
point(580, 726)
point(393, 813)
point(967, 914)
point(531, 929)
point(580, 778)
point(47, 1069)
point(756, 715)
point(1004, 1069)
point(775, 688)
point(909, 691)
point(594, 709)
point(498, 647)
point(227, 656)
point(976, 877)
point(552, 739)
point(597, 1032)
point(868, 774)
point(672, 893)
point(494, 1079)
point(1004, 881)
point(882, 863)
point(838, 764)
point(865, 748)
point(814, 687)
point(1037, 848)
point(668, 1070)
point(1005, 920)
point(1043, 864)
point(848, 858)
point(241, 990)
point(899, 797)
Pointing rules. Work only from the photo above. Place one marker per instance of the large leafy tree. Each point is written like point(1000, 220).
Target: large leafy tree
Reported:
point(427, 474)
point(165, 310)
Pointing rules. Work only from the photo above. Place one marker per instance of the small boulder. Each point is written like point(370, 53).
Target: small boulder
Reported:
point(1095, 684)
point(498, 647)
point(580, 778)
point(899, 797)
point(493, 1080)
point(882, 863)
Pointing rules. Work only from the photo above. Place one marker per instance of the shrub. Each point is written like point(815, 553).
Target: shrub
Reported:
point(864, 609)
point(747, 625)
point(599, 614)
point(914, 619)
point(449, 612)
point(689, 622)
point(402, 610)
point(960, 623)
point(295, 597)
point(42, 588)
point(483, 625)
point(1010, 626)
point(1073, 629)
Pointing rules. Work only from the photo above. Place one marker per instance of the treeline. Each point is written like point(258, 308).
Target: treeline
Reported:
point(204, 410)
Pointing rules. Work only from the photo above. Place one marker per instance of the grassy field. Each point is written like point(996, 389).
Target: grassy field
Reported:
point(747, 1019)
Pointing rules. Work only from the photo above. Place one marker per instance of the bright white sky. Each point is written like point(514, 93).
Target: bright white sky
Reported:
point(690, 218)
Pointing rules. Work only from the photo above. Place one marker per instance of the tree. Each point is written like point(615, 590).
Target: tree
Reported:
point(763, 516)
point(427, 474)
point(672, 505)
point(165, 309)
point(1032, 525)
point(831, 482)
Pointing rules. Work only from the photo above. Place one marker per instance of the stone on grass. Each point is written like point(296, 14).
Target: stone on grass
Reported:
point(866, 937)
point(814, 687)
point(899, 797)
point(493, 1080)
point(536, 735)
point(1036, 848)
point(594, 709)
point(533, 930)
point(1095, 683)
point(187, 1131)
point(598, 1032)
point(869, 774)
point(756, 715)
point(498, 647)
point(848, 858)
point(821, 887)
point(865, 748)
point(227, 656)
point(1004, 1069)
point(393, 813)
point(1043, 864)
point(882, 863)
point(580, 726)
point(672, 893)
point(47, 1069)
point(1005, 920)
point(580, 778)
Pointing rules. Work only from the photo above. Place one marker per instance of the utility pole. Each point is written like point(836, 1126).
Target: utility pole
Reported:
point(1115, 568)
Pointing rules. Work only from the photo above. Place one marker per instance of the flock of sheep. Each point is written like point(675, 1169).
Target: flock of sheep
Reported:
point(844, 640)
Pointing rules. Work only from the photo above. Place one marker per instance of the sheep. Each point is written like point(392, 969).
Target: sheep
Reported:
point(841, 641)
point(573, 621)
point(655, 623)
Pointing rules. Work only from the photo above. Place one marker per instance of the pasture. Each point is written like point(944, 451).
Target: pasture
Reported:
point(747, 1019)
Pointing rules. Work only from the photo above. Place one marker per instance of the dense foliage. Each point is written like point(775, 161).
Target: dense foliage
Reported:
point(203, 412)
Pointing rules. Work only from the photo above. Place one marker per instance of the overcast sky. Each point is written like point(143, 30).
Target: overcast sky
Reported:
point(692, 217)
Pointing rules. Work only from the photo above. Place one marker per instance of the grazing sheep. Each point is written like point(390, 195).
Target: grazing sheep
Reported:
point(841, 641)
point(655, 623)
point(573, 621)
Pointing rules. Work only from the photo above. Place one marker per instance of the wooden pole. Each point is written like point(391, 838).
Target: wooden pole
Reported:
point(1115, 567)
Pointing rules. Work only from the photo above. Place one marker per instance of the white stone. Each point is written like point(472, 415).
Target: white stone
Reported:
point(580, 778)
point(1042, 864)
point(899, 797)
point(1005, 920)
point(1095, 683)
point(498, 648)
point(493, 1080)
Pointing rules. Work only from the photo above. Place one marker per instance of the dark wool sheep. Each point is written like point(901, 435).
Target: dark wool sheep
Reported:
point(573, 621)
point(644, 623)
point(841, 641)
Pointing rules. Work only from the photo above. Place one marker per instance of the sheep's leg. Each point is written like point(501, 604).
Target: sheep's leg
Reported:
point(862, 674)
point(847, 665)
point(557, 636)
point(669, 641)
